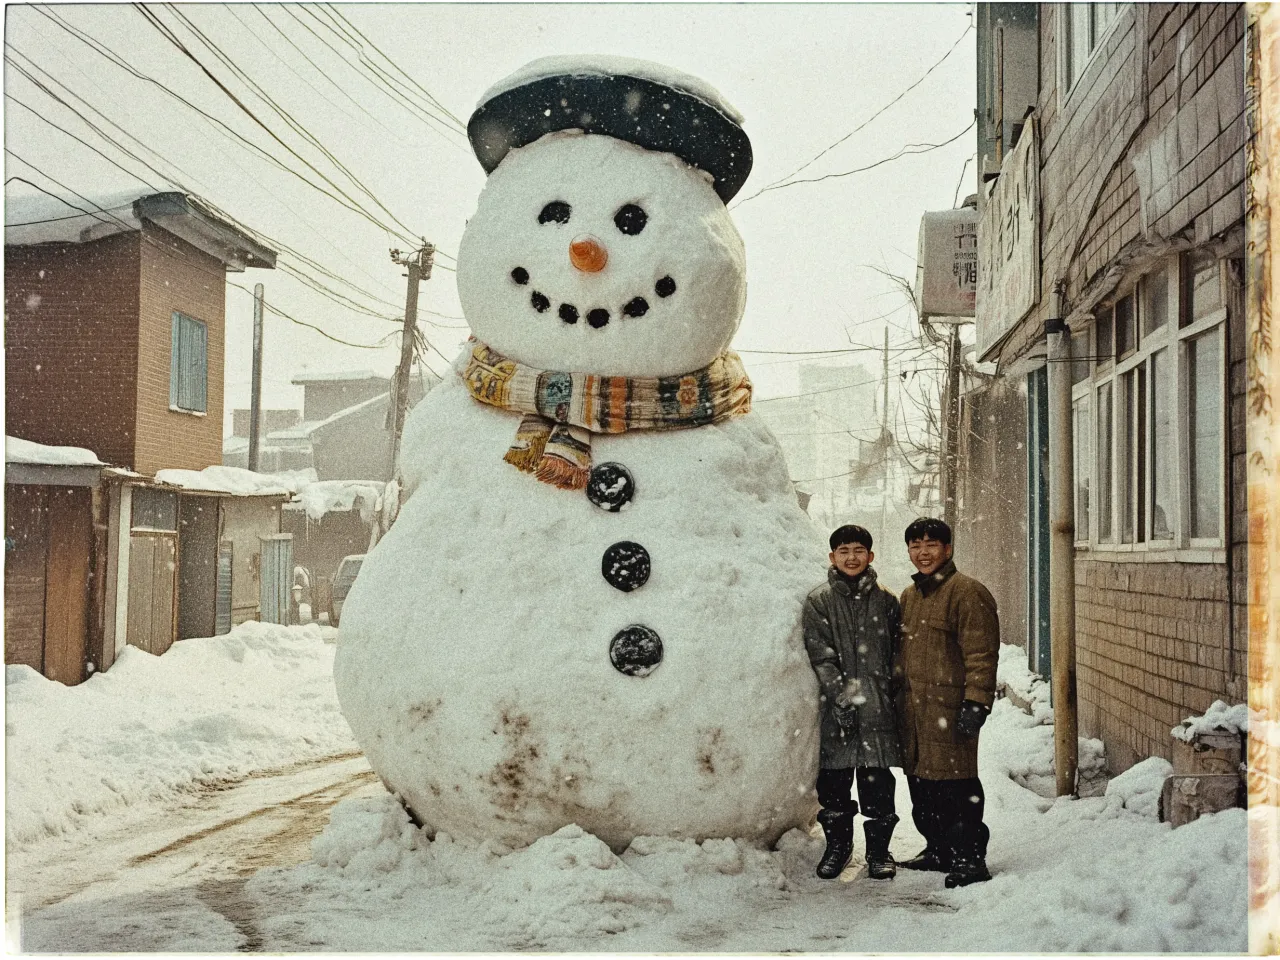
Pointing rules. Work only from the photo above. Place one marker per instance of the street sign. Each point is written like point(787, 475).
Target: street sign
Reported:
point(947, 264)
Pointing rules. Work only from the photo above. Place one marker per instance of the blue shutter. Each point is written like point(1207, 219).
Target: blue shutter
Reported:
point(202, 366)
point(175, 361)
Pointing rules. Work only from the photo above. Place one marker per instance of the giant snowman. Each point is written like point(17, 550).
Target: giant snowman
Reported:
point(588, 609)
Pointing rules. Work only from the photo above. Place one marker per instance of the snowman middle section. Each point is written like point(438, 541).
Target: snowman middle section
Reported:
point(475, 666)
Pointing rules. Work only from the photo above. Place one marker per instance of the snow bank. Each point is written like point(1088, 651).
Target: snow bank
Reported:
point(1139, 787)
point(17, 450)
point(151, 728)
point(1219, 718)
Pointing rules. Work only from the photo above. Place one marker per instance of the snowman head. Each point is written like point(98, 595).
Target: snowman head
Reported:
point(601, 243)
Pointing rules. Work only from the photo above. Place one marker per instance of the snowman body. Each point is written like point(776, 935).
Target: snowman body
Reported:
point(476, 661)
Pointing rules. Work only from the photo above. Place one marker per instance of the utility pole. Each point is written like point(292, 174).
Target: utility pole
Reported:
point(255, 388)
point(951, 430)
point(419, 265)
point(1062, 550)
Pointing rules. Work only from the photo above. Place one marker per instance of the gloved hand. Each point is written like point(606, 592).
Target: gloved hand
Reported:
point(971, 718)
point(848, 701)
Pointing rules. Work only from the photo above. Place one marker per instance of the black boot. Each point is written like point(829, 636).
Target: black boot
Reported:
point(838, 826)
point(930, 858)
point(880, 865)
point(967, 871)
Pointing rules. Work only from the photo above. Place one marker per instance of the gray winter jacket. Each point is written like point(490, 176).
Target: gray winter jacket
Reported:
point(855, 633)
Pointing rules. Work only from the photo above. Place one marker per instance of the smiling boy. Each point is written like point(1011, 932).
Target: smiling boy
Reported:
point(950, 647)
point(851, 626)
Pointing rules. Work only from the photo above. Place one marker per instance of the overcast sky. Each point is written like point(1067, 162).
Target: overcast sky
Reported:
point(804, 77)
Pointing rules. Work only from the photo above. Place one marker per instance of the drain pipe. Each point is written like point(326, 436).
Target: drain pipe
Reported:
point(1062, 548)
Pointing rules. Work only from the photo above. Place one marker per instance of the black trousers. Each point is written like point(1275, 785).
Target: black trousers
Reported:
point(876, 786)
point(948, 814)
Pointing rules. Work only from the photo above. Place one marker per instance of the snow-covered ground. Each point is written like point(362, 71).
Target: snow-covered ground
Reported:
point(1090, 875)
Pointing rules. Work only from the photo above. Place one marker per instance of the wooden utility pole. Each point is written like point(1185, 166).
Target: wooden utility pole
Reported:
point(419, 265)
point(951, 430)
point(255, 385)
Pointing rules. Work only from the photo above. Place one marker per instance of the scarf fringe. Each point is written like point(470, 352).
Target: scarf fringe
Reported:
point(561, 473)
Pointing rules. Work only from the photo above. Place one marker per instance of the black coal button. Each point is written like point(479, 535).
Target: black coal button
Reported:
point(636, 651)
point(625, 565)
point(610, 485)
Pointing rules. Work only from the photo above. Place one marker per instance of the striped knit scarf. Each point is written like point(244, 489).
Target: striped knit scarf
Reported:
point(562, 410)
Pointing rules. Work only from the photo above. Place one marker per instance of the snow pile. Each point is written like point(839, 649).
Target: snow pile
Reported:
point(17, 450)
point(1013, 674)
point(1071, 876)
point(1139, 787)
point(336, 496)
point(233, 480)
point(151, 728)
point(1219, 718)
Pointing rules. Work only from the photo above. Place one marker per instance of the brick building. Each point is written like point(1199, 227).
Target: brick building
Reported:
point(115, 336)
point(1113, 198)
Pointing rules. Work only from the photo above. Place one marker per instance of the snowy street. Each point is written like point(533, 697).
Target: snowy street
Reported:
point(239, 817)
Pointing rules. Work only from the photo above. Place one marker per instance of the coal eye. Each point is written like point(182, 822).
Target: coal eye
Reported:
point(630, 219)
point(556, 210)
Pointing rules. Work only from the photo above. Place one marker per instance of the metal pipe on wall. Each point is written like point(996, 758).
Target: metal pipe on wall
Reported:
point(1062, 550)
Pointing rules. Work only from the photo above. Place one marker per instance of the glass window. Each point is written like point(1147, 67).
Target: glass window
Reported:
point(1102, 328)
point(188, 364)
point(1204, 429)
point(1083, 429)
point(1129, 414)
point(1163, 470)
point(1080, 365)
point(1155, 306)
point(1203, 288)
point(1079, 41)
point(1104, 462)
point(1126, 327)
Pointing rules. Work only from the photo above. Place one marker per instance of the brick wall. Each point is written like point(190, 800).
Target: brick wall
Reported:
point(71, 344)
point(177, 276)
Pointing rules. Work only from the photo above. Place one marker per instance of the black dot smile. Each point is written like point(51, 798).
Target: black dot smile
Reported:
point(597, 317)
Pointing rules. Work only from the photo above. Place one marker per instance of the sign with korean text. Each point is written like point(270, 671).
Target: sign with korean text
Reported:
point(947, 263)
point(1009, 245)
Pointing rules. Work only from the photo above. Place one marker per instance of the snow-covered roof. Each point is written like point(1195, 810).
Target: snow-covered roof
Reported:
point(339, 496)
point(335, 375)
point(17, 450)
point(36, 219)
point(235, 481)
point(601, 65)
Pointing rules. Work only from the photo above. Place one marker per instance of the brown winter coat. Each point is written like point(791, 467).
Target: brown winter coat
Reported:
point(950, 647)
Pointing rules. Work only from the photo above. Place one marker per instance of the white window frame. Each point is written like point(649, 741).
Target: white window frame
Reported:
point(1097, 41)
point(1087, 391)
point(1182, 546)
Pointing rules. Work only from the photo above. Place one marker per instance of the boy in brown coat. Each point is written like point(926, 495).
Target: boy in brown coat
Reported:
point(950, 647)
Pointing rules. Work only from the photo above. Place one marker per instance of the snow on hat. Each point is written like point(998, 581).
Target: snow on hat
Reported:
point(652, 106)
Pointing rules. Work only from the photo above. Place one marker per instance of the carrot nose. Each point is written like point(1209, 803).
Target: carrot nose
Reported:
point(588, 254)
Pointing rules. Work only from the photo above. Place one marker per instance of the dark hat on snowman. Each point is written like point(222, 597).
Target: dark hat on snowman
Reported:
point(644, 103)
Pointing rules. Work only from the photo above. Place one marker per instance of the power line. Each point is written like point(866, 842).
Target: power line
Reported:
point(869, 119)
point(906, 151)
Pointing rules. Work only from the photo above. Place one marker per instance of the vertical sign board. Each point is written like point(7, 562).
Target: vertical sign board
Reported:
point(1009, 244)
point(947, 263)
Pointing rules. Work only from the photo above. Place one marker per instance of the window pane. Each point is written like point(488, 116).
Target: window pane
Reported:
point(1155, 306)
point(1104, 462)
point(1139, 505)
point(1203, 288)
point(154, 509)
point(1204, 416)
point(1125, 452)
point(1163, 472)
point(1126, 326)
point(1083, 429)
point(1102, 336)
point(1081, 39)
point(1080, 349)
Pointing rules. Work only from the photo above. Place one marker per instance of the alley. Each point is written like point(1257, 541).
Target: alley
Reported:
point(87, 894)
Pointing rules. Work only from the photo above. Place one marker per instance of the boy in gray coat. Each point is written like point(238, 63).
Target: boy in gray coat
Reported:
point(852, 627)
